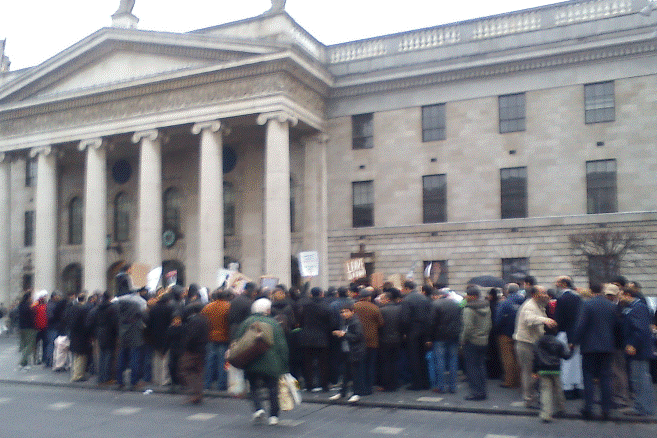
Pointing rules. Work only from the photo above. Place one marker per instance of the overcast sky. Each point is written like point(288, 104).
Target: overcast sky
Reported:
point(39, 29)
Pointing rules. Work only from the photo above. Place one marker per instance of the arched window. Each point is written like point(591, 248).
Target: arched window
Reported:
point(72, 278)
point(75, 221)
point(171, 210)
point(121, 217)
point(229, 209)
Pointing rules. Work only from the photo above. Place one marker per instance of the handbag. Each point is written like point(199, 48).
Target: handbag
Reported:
point(256, 340)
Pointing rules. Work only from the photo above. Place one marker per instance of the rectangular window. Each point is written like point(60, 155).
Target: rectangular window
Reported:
point(362, 131)
point(433, 122)
point(436, 272)
point(363, 204)
point(30, 172)
point(513, 184)
point(599, 103)
point(512, 112)
point(515, 269)
point(28, 236)
point(434, 198)
point(601, 187)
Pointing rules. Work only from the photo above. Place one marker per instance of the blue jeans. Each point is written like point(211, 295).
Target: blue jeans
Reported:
point(135, 356)
point(475, 368)
point(446, 356)
point(51, 335)
point(105, 365)
point(644, 399)
point(215, 365)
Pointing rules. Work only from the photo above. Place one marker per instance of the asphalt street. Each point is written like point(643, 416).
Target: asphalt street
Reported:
point(28, 410)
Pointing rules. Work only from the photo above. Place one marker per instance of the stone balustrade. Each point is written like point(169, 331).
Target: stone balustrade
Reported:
point(540, 18)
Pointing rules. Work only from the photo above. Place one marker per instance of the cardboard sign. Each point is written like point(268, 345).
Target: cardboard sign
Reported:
point(396, 280)
point(376, 280)
point(355, 269)
point(268, 282)
point(139, 274)
point(222, 276)
point(309, 263)
point(153, 279)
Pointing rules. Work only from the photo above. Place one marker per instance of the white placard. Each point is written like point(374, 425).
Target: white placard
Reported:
point(355, 269)
point(309, 263)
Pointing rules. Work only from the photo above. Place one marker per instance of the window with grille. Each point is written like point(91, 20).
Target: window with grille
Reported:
point(601, 187)
point(433, 122)
point(513, 185)
point(512, 112)
point(434, 198)
point(599, 105)
point(363, 204)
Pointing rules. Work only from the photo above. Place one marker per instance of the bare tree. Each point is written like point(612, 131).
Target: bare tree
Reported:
point(604, 254)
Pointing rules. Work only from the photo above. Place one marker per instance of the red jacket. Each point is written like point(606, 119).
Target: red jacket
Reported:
point(40, 316)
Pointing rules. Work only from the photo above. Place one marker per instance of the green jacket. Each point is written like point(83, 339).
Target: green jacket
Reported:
point(275, 360)
point(476, 323)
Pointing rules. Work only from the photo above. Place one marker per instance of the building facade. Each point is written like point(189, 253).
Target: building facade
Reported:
point(481, 147)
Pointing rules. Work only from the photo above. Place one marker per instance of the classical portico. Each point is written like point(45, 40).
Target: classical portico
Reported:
point(168, 119)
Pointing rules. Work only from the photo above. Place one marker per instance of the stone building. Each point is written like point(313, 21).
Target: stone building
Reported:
point(480, 147)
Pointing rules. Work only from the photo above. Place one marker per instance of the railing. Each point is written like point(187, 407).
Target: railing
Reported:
point(476, 30)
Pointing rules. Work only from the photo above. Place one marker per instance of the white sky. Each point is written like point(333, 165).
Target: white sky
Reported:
point(39, 29)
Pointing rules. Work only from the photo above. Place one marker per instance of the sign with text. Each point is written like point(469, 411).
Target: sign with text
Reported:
point(309, 263)
point(355, 269)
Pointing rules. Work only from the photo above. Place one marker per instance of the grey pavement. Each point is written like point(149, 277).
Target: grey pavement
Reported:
point(501, 401)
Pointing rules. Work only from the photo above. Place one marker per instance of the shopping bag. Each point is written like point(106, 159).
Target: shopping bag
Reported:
point(236, 383)
point(255, 341)
point(285, 399)
point(293, 387)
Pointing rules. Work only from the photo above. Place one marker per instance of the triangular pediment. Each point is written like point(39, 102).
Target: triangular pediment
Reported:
point(114, 58)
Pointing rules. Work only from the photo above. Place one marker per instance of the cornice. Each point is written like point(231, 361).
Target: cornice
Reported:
point(491, 69)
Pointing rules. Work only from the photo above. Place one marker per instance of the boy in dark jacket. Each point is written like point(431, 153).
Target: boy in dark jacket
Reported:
point(547, 364)
point(352, 349)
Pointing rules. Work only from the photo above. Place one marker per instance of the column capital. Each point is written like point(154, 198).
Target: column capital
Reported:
point(150, 134)
point(92, 143)
point(44, 150)
point(281, 116)
point(4, 157)
point(213, 126)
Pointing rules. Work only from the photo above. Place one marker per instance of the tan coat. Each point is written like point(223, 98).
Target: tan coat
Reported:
point(529, 322)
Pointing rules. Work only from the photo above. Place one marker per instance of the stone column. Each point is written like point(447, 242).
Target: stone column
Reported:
point(210, 202)
point(277, 246)
point(5, 228)
point(45, 233)
point(315, 223)
point(149, 222)
point(95, 215)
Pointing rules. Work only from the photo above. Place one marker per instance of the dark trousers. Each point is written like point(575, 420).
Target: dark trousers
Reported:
point(257, 381)
point(191, 367)
point(352, 372)
point(597, 365)
point(174, 372)
point(417, 361)
point(475, 368)
point(105, 365)
point(309, 356)
point(368, 370)
point(389, 355)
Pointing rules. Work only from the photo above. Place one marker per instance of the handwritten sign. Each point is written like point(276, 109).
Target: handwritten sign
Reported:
point(309, 263)
point(355, 269)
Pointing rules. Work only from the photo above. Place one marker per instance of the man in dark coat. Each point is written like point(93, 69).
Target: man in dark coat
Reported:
point(595, 334)
point(240, 307)
point(80, 336)
point(566, 313)
point(196, 329)
point(446, 323)
point(106, 330)
point(415, 313)
point(159, 319)
point(390, 339)
point(352, 353)
point(639, 349)
point(505, 325)
point(314, 338)
point(132, 314)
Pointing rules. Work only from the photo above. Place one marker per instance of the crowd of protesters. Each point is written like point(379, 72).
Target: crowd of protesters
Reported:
point(550, 344)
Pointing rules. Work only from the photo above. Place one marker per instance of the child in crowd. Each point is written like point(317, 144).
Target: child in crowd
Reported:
point(352, 352)
point(547, 364)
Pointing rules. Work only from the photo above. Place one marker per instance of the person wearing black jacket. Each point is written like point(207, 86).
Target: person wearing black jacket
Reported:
point(79, 334)
point(390, 339)
point(26, 329)
point(547, 364)
point(352, 353)
point(415, 313)
point(314, 338)
point(196, 329)
point(159, 319)
point(446, 323)
point(106, 331)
